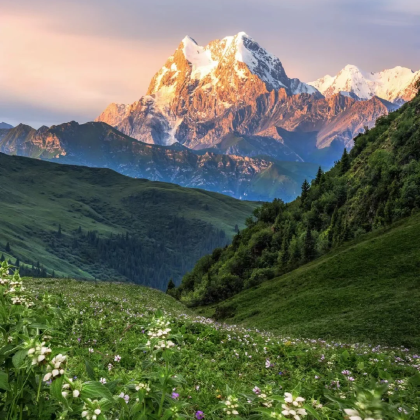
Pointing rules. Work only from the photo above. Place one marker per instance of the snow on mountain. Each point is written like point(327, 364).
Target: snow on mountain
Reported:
point(234, 85)
point(200, 58)
point(238, 55)
point(199, 84)
point(394, 85)
point(323, 83)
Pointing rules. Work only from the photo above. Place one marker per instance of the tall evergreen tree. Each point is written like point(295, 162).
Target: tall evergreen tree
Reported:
point(308, 246)
point(318, 177)
point(344, 162)
point(305, 192)
point(7, 247)
point(171, 285)
point(285, 256)
point(59, 231)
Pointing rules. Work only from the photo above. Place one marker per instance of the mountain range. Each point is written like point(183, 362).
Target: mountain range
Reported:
point(373, 186)
point(97, 144)
point(227, 118)
point(202, 94)
point(395, 85)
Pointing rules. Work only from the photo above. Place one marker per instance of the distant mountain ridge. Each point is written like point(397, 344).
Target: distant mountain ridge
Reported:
point(5, 126)
point(394, 85)
point(97, 144)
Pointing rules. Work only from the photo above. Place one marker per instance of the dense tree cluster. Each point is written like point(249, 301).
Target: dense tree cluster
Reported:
point(151, 260)
point(165, 253)
point(373, 185)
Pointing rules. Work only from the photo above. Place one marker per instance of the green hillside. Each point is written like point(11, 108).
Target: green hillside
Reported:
point(95, 223)
point(369, 189)
point(365, 291)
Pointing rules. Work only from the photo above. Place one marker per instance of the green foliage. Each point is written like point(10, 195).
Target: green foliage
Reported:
point(374, 185)
point(132, 353)
point(305, 192)
point(344, 162)
point(171, 286)
point(96, 224)
point(308, 246)
point(363, 291)
point(318, 177)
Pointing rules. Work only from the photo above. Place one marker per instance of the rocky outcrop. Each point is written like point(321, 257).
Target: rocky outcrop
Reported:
point(345, 126)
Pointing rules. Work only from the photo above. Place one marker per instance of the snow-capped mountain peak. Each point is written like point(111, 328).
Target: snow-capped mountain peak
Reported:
point(203, 93)
point(233, 55)
point(395, 85)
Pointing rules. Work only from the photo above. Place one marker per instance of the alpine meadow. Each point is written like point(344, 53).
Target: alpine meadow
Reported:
point(194, 230)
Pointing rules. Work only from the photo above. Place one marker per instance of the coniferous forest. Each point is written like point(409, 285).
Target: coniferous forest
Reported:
point(128, 257)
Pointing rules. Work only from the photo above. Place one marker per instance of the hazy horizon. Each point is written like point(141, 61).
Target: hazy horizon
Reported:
point(68, 60)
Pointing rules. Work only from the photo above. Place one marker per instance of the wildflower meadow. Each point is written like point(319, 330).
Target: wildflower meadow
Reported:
point(73, 350)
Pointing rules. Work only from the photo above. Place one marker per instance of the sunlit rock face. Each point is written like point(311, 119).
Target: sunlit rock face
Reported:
point(233, 85)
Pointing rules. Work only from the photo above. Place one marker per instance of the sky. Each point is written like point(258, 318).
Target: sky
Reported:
point(63, 60)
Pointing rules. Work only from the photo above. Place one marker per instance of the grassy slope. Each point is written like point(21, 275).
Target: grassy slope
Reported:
point(38, 196)
point(111, 318)
point(366, 291)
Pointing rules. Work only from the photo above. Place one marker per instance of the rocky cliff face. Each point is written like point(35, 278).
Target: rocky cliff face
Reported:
point(100, 145)
point(204, 93)
point(233, 85)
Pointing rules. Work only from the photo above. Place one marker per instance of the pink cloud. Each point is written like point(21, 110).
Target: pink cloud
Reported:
point(71, 71)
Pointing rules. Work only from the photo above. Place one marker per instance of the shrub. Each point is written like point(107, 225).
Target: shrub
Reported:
point(258, 276)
